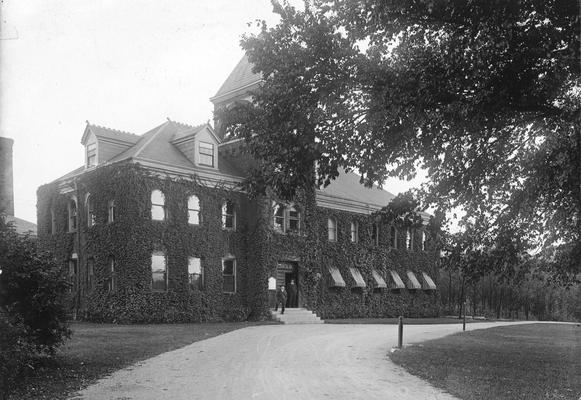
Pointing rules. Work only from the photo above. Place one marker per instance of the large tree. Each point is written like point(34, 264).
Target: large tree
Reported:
point(483, 95)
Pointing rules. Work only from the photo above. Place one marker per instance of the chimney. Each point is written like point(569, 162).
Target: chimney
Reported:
point(6, 181)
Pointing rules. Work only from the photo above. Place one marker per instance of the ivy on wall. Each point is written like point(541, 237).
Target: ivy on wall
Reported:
point(258, 249)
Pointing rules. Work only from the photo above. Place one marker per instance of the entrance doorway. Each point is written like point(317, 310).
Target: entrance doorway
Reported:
point(286, 273)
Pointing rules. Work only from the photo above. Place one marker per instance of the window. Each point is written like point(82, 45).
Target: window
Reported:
point(52, 221)
point(279, 218)
point(375, 233)
point(158, 271)
point(228, 215)
point(194, 210)
point(207, 154)
point(72, 212)
point(73, 275)
point(332, 228)
point(195, 273)
point(111, 211)
point(91, 155)
point(90, 212)
point(409, 239)
point(157, 206)
point(294, 219)
point(90, 273)
point(229, 275)
point(393, 237)
point(354, 232)
point(111, 284)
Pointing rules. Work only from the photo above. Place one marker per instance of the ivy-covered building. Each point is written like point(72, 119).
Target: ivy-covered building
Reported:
point(155, 227)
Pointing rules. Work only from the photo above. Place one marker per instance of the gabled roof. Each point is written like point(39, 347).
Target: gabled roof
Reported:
point(108, 133)
point(241, 77)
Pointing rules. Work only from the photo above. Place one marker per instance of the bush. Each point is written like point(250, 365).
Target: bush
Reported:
point(33, 292)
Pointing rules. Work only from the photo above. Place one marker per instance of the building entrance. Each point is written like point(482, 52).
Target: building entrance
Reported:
point(287, 275)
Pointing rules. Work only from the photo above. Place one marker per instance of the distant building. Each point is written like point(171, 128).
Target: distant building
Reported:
point(155, 227)
point(7, 189)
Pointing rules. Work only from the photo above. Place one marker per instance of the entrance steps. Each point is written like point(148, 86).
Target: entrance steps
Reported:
point(296, 316)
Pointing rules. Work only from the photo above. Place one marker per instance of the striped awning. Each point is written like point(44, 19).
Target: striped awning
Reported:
point(379, 281)
point(336, 278)
point(413, 282)
point(428, 282)
point(397, 282)
point(356, 274)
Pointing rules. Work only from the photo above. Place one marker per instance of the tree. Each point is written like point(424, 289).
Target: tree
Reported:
point(485, 96)
point(33, 293)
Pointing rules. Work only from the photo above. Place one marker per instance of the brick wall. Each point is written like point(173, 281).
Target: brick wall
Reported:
point(6, 180)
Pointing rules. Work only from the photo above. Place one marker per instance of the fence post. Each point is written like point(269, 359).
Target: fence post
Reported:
point(400, 333)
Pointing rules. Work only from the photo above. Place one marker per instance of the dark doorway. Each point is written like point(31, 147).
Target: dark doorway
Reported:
point(286, 273)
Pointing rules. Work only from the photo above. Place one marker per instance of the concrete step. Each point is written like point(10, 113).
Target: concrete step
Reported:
point(296, 316)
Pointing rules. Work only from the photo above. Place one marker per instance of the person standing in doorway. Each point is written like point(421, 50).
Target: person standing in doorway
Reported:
point(280, 298)
point(292, 293)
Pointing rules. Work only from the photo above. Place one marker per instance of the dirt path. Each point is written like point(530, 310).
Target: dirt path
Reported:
point(281, 362)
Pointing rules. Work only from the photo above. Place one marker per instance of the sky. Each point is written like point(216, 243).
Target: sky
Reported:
point(125, 65)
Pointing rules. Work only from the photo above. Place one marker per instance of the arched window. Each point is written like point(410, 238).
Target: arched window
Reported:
point(228, 215)
point(294, 219)
point(393, 237)
point(90, 211)
point(354, 232)
point(158, 206)
point(72, 213)
point(194, 210)
point(279, 217)
point(332, 228)
point(111, 212)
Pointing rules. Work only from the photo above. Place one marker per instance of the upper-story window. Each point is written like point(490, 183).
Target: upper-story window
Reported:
point(91, 154)
point(91, 219)
point(72, 215)
point(206, 154)
point(354, 232)
point(409, 239)
point(158, 211)
point(393, 237)
point(375, 233)
point(111, 211)
point(332, 229)
point(194, 210)
point(228, 215)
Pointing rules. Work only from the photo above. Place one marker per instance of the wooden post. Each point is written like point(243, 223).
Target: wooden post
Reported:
point(464, 322)
point(400, 333)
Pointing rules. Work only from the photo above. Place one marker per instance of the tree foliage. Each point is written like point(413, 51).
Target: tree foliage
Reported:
point(485, 96)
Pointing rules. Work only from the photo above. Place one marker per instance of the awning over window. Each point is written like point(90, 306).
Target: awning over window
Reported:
point(413, 282)
point(397, 282)
point(336, 278)
point(379, 281)
point(428, 282)
point(356, 274)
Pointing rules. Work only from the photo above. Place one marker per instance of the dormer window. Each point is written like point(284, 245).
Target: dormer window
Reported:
point(206, 154)
point(91, 154)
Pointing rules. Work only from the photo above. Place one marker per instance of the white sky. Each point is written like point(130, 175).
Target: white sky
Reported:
point(121, 64)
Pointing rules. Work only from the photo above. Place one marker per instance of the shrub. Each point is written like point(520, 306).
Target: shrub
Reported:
point(33, 291)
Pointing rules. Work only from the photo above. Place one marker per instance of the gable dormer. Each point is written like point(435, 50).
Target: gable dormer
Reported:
point(102, 144)
point(199, 144)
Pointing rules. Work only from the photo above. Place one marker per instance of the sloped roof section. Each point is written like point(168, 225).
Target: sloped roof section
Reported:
point(242, 76)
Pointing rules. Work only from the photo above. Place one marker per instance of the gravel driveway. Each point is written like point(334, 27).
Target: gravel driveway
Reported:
point(281, 362)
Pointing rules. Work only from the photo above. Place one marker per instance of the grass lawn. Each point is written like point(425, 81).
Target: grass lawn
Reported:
point(96, 350)
point(537, 361)
point(406, 321)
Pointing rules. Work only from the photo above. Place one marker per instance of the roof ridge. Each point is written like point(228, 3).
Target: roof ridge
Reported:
point(111, 129)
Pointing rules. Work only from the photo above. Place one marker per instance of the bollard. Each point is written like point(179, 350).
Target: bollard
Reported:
point(400, 333)
point(464, 322)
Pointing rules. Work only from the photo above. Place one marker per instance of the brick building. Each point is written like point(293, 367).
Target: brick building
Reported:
point(155, 227)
